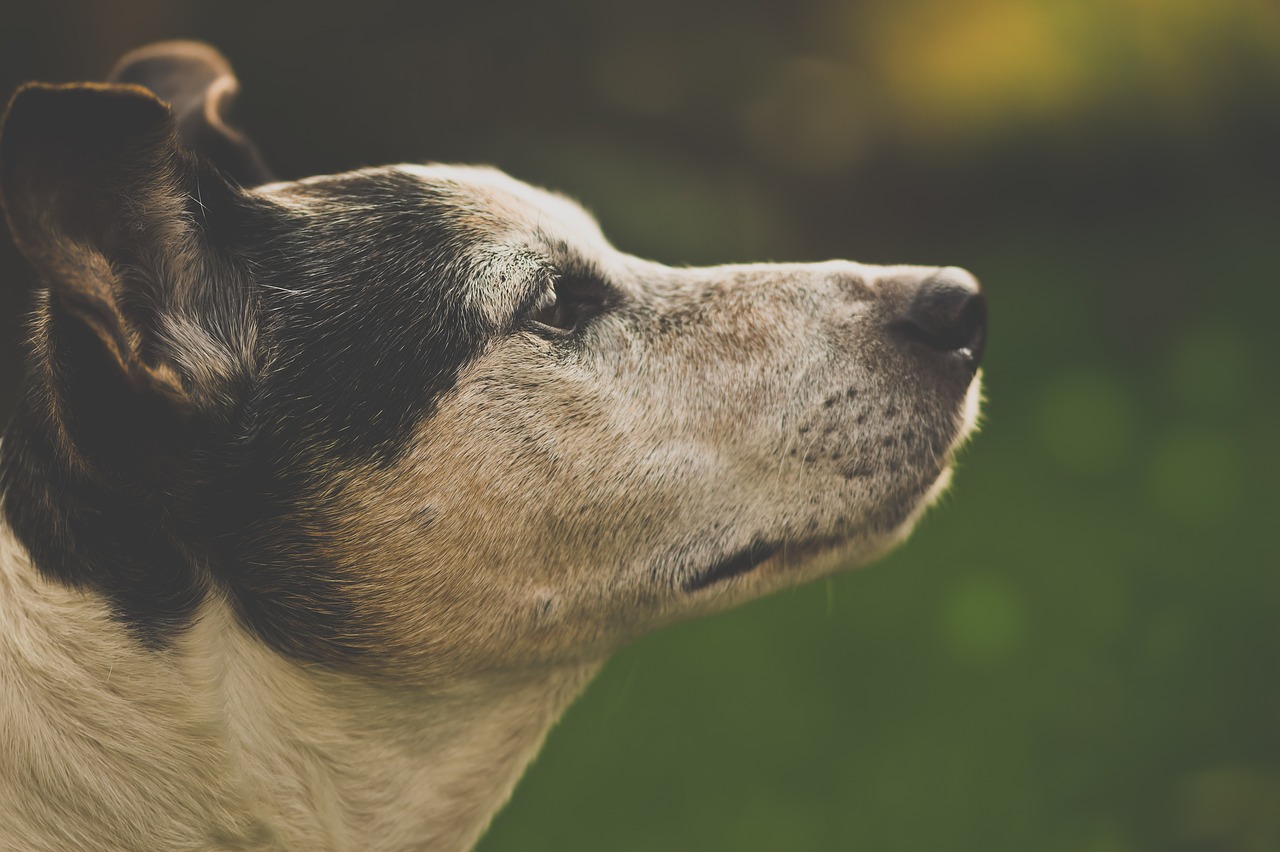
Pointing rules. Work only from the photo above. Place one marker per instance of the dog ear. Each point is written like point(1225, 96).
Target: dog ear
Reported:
point(106, 204)
point(198, 84)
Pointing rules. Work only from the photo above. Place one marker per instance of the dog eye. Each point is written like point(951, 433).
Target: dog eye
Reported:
point(551, 312)
point(563, 307)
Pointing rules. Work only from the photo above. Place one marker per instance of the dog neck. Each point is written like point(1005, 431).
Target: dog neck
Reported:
point(219, 741)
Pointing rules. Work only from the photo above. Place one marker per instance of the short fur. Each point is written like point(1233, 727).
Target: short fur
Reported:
point(324, 498)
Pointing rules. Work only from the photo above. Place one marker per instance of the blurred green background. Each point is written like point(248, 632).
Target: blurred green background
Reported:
point(1078, 649)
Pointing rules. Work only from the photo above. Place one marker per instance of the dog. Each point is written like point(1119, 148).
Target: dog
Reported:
point(324, 498)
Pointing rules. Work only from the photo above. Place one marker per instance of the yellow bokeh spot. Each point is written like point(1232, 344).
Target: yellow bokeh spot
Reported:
point(962, 70)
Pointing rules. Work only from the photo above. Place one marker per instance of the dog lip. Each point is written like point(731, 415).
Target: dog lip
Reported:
point(746, 560)
point(740, 562)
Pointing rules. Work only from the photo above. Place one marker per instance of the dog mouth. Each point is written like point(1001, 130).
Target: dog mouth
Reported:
point(751, 557)
point(743, 561)
point(890, 523)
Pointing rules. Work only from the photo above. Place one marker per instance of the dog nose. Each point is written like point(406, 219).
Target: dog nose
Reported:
point(948, 313)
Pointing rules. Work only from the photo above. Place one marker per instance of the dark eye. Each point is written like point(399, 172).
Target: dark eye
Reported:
point(564, 306)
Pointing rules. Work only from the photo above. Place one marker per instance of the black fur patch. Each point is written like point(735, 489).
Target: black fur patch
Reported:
point(97, 519)
point(358, 292)
point(364, 310)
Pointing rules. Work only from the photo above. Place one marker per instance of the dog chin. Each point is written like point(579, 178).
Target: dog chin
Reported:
point(786, 562)
point(842, 553)
point(838, 555)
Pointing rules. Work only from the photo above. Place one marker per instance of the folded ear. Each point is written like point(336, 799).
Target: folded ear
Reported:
point(101, 198)
point(198, 84)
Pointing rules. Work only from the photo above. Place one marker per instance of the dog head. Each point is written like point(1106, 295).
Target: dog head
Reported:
point(418, 420)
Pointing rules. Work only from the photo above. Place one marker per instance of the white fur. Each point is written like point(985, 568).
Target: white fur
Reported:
point(220, 743)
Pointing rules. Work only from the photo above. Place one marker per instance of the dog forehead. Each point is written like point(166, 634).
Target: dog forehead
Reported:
point(485, 201)
point(525, 233)
point(525, 210)
point(499, 239)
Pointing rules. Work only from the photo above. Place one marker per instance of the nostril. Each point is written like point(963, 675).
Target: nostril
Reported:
point(948, 314)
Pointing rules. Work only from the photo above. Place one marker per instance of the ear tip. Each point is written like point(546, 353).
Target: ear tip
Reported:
point(54, 109)
point(179, 51)
point(179, 72)
point(190, 76)
point(43, 119)
point(83, 102)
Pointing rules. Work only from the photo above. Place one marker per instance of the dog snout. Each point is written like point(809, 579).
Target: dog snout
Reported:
point(948, 314)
